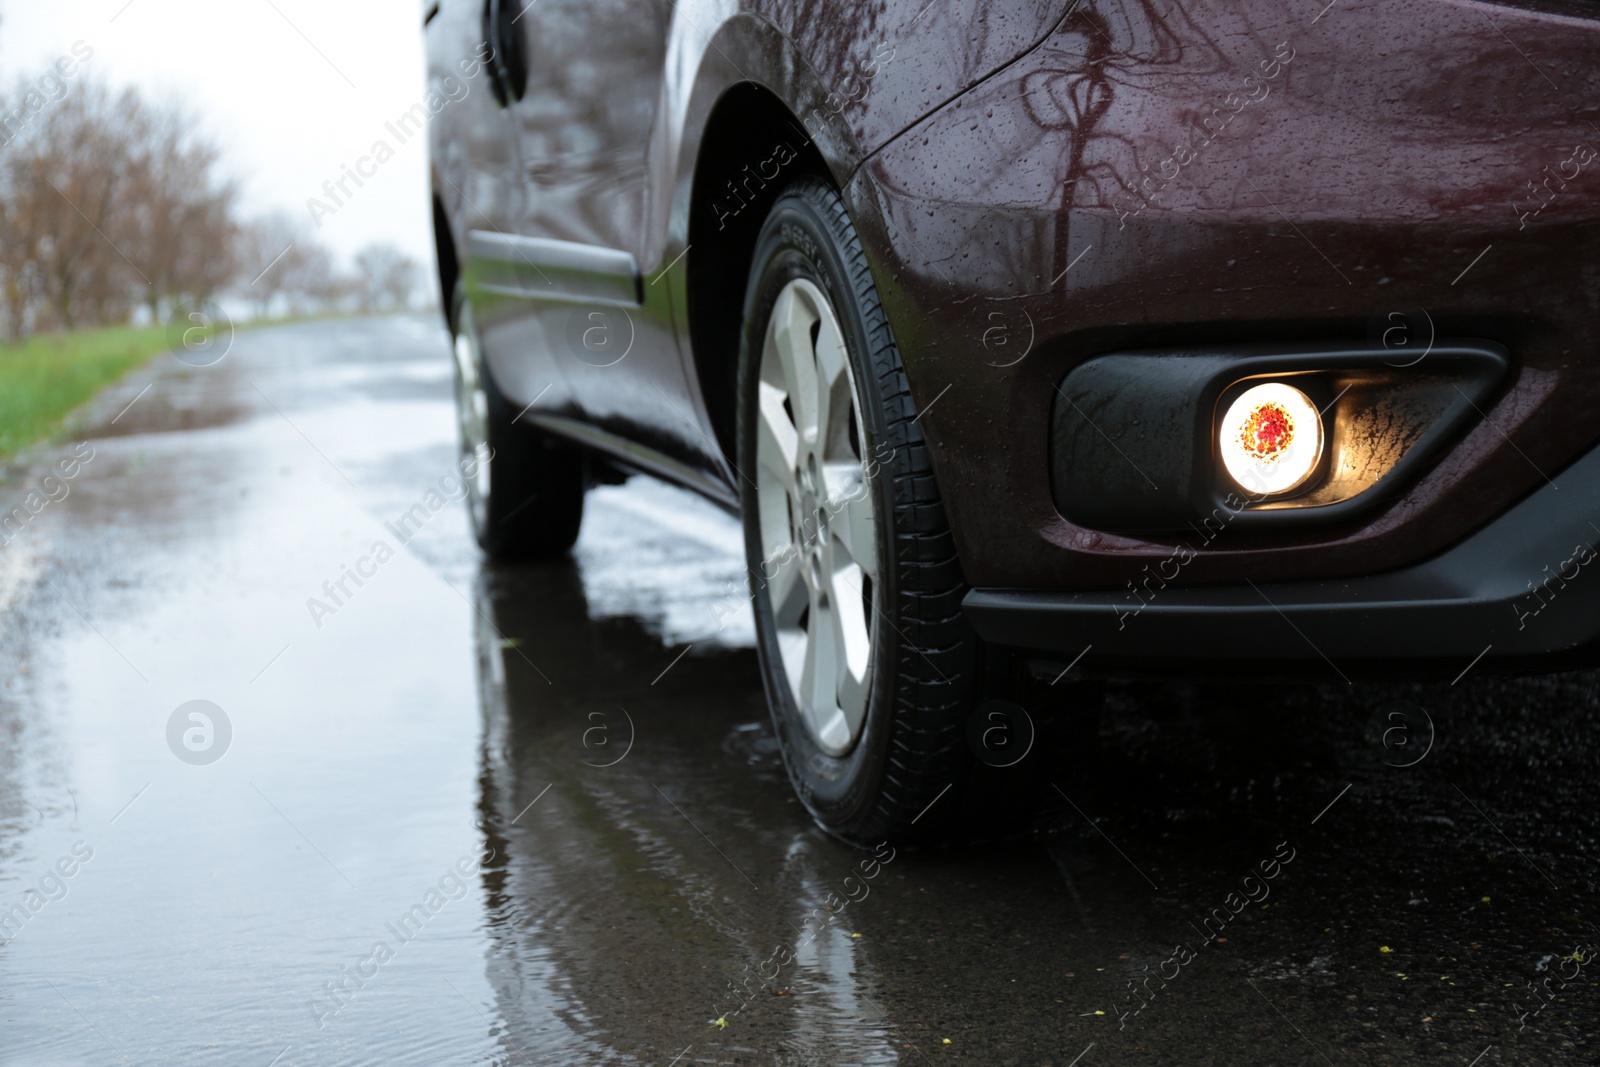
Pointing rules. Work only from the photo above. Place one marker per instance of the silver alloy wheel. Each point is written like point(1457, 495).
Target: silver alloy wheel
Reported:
point(472, 417)
point(818, 530)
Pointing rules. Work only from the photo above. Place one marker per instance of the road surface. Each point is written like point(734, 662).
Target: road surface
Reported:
point(432, 812)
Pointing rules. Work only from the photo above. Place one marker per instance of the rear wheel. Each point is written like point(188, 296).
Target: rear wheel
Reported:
point(524, 488)
point(874, 676)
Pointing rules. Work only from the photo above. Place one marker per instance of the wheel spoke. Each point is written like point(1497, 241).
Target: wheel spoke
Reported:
point(777, 451)
point(783, 572)
point(791, 334)
point(819, 679)
point(833, 393)
point(792, 646)
point(852, 639)
point(850, 515)
point(777, 442)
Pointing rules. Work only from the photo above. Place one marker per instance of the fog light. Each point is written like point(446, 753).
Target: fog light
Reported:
point(1271, 439)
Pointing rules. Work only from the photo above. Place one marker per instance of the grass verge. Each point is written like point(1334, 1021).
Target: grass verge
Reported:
point(45, 376)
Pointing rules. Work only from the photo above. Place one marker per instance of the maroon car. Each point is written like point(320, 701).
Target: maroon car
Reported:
point(1042, 340)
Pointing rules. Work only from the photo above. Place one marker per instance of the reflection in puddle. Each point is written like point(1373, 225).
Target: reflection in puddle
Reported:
point(662, 554)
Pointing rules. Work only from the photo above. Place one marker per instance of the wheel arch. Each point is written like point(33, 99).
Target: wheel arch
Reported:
point(729, 203)
point(744, 82)
point(447, 262)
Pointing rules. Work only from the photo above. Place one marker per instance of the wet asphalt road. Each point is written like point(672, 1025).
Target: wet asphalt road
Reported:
point(535, 815)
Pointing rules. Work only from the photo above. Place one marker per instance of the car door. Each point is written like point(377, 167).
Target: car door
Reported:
point(581, 84)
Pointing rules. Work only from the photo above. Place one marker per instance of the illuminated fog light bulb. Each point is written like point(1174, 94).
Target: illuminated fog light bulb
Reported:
point(1271, 438)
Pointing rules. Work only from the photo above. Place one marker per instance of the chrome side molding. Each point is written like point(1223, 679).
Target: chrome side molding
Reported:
point(539, 268)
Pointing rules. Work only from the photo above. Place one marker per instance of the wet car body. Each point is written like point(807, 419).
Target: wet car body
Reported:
point(1038, 186)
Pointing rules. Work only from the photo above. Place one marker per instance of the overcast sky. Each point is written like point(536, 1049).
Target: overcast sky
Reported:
point(286, 116)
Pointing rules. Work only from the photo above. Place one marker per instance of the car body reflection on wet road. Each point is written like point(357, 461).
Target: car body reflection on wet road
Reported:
point(437, 813)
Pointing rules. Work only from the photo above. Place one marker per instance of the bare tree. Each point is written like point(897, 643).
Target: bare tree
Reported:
point(106, 203)
point(67, 196)
point(279, 258)
point(312, 280)
point(185, 236)
point(271, 254)
point(386, 278)
point(109, 203)
point(20, 285)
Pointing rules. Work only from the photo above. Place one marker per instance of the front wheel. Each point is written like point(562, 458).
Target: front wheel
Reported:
point(873, 674)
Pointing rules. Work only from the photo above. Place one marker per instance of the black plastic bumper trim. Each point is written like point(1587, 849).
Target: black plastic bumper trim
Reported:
point(1523, 587)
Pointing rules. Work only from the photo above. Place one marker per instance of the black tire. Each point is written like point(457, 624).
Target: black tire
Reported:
point(530, 504)
point(914, 772)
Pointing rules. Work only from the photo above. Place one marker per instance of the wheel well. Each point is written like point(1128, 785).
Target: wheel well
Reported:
point(444, 246)
point(733, 191)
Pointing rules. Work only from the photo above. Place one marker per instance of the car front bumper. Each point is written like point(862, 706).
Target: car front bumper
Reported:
point(1066, 210)
point(1520, 593)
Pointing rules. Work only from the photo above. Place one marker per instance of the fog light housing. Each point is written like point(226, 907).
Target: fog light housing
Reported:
point(1271, 439)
